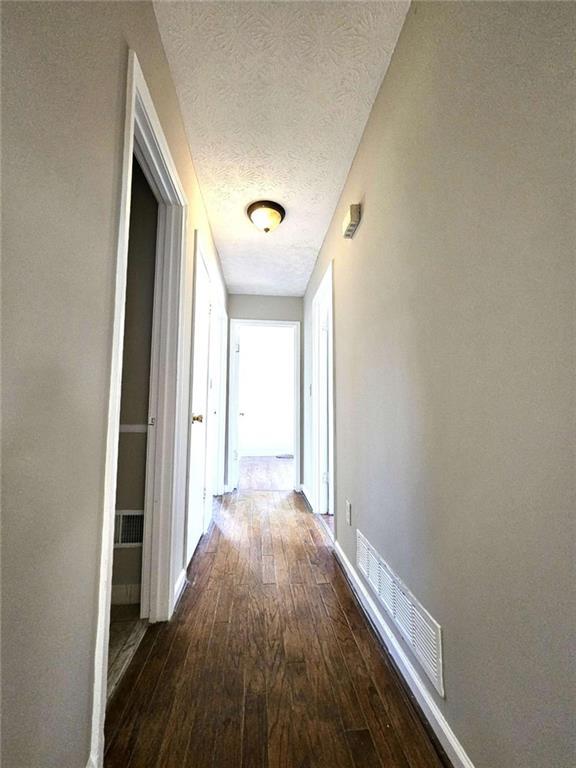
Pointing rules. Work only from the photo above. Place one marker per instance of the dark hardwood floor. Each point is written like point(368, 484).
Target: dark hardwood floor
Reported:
point(267, 663)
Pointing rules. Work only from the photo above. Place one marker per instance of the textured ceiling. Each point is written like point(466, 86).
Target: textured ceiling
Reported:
point(275, 96)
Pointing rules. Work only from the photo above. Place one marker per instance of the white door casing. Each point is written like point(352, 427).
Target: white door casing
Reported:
point(219, 395)
point(216, 420)
point(233, 409)
point(322, 391)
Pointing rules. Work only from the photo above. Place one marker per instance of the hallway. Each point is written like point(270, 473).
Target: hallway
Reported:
point(267, 661)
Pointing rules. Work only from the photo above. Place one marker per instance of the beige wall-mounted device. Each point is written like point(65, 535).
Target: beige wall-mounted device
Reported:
point(351, 221)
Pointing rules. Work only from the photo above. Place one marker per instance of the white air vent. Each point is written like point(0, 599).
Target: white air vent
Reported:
point(129, 528)
point(422, 633)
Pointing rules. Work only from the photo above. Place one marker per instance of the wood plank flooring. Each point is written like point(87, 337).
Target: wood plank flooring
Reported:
point(267, 663)
point(126, 633)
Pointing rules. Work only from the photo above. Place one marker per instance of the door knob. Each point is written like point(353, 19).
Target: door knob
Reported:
point(241, 413)
point(198, 418)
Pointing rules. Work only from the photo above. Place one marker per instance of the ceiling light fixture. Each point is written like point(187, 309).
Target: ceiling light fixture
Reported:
point(265, 214)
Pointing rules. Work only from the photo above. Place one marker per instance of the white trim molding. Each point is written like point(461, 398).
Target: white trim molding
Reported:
point(325, 527)
point(307, 495)
point(322, 397)
point(179, 586)
point(438, 722)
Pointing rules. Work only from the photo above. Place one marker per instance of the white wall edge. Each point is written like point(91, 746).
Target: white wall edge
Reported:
point(438, 722)
point(179, 586)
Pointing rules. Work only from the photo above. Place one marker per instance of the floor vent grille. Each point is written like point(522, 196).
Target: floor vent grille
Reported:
point(129, 528)
point(422, 633)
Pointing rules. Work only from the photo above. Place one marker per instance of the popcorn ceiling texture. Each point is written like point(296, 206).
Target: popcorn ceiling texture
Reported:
point(275, 97)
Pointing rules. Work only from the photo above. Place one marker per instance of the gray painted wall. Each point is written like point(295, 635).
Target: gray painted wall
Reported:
point(454, 359)
point(247, 307)
point(63, 91)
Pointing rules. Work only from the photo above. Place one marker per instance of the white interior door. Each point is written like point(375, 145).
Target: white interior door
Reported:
point(198, 415)
point(233, 455)
point(266, 391)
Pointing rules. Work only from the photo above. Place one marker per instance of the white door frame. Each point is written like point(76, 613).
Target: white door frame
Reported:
point(322, 418)
point(221, 322)
point(235, 325)
point(144, 138)
point(217, 399)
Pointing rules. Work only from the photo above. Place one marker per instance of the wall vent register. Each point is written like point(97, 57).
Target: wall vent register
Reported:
point(422, 633)
point(129, 528)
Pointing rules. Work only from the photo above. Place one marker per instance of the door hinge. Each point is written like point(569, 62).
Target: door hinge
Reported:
point(151, 421)
point(237, 348)
point(235, 455)
point(325, 477)
point(204, 495)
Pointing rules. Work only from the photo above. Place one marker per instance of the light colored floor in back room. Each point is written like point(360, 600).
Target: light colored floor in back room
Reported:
point(126, 632)
point(266, 473)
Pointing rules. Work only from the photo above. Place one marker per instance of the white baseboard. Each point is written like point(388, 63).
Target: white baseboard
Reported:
point(438, 722)
point(179, 586)
point(125, 594)
point(308, 496)
point(321, 520)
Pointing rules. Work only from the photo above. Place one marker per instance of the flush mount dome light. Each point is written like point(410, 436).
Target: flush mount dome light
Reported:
point(265, 214)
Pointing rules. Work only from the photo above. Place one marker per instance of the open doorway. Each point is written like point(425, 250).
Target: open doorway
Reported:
point(127, 614)
point(264, 414)
point(162, 428)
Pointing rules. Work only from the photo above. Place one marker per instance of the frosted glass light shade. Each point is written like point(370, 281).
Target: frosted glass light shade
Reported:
point(266, 215)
